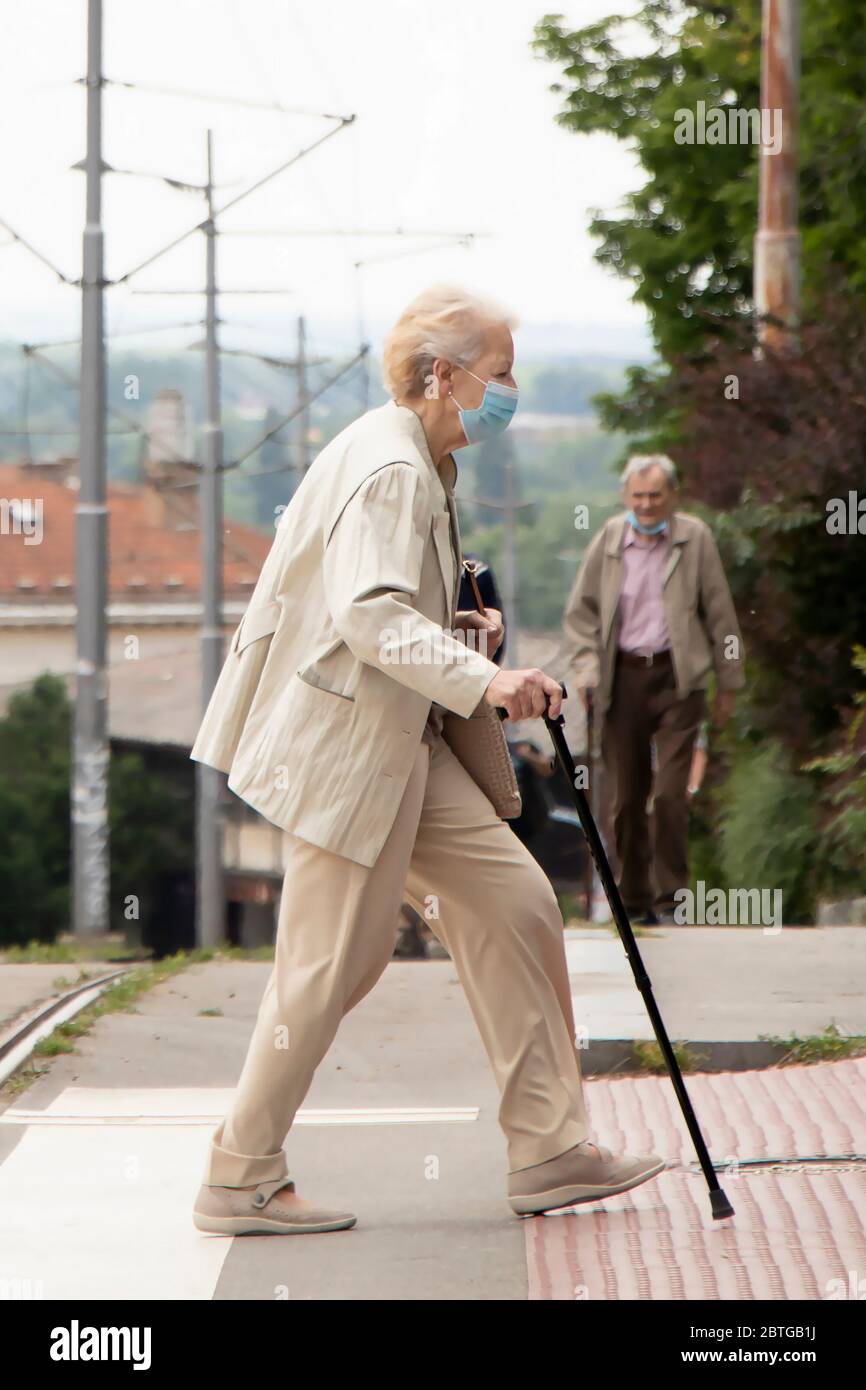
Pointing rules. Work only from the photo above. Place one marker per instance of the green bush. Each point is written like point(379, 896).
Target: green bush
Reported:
point(151, 820)
point(843, 837)
point(767, 831)
point(34, 813)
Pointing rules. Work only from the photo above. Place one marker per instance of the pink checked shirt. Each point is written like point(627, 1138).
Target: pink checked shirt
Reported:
point(642, 615)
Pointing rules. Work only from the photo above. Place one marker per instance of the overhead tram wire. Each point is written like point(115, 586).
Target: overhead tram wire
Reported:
point(285, 420)
point(89, 803)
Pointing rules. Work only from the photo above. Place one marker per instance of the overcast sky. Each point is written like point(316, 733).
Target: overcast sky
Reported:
point(454, 132)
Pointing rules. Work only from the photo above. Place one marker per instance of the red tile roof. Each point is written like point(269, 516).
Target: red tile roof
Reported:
point(145, 558)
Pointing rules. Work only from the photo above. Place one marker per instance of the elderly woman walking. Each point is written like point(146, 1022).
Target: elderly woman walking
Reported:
point(328, 718)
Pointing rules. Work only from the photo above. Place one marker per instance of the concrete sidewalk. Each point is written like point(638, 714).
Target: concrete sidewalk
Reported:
point(721, 988)
point(719, 984)
point(101, 1158)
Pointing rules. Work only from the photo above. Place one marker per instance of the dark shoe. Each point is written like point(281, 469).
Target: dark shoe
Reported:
point(649, 919)
point(231, 1211)
point(584, 1173)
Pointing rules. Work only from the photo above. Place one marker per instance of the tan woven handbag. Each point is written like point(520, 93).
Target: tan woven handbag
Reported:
point(479, 743)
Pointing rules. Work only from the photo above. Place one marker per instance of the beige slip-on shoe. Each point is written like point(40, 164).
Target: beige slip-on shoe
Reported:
point(582, 1174)
point(230, 1211)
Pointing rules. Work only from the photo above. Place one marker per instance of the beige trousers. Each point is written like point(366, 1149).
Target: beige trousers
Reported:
point(491, 905)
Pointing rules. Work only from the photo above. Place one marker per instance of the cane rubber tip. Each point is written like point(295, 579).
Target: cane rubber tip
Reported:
point(720, 1205)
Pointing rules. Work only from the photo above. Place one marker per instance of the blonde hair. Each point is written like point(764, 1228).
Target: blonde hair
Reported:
point(443, 321)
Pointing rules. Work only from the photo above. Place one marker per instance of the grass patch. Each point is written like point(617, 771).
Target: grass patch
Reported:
point(635, 928)
point(119, 997)
point(69, 952)
point(828, 1046)
point(572, 906)
point(648, 1057)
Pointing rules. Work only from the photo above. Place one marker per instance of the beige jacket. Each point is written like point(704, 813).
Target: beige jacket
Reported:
point(705, 636)
point(330, 675)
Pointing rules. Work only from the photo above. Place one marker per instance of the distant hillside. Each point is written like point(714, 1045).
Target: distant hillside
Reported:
point(34, 397)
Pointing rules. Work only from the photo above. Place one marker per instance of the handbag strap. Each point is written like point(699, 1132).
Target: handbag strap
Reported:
point(470, 567)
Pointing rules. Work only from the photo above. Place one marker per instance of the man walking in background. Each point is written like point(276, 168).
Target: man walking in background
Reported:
point(649, 620)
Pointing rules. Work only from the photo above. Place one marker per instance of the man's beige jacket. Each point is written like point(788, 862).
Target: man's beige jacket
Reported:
point(328, 681)
point(704, 633)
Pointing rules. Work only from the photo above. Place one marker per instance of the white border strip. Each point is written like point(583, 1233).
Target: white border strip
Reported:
point(373, 1116)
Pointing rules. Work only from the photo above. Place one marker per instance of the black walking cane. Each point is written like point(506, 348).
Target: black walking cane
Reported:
point(592, 799)
point(719, 1203)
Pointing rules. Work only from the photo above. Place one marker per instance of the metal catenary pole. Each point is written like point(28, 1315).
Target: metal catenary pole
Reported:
point(303, 427)
point(90, 867)
point(509, 507)
point(210, 903)
point(510, 594)
point(89, 797)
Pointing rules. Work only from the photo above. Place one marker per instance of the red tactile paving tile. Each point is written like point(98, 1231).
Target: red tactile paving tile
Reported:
point(795, 1229)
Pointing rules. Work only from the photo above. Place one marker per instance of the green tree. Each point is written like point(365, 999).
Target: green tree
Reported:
point(34, 813)
point(685, 239)
point(150, 817)
point(768, 457)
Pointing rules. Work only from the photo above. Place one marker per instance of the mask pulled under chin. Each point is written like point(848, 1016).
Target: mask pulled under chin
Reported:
point(646, 530)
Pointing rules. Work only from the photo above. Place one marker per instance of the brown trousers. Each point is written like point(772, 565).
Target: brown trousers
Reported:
point(491, 905)
point(652, 850)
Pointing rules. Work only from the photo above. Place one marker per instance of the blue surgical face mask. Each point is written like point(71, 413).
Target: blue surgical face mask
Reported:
point(493, 415)
point(646, 530)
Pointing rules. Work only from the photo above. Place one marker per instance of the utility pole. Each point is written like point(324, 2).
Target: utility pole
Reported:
point(210, 905)
point(89, 800)
point(90, 746)
point(777, 243)
point(509, 578)
point(509, 507)
point(303, 425)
